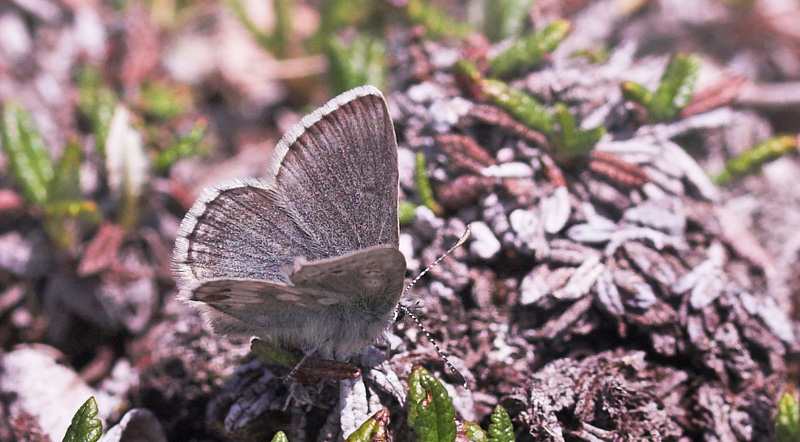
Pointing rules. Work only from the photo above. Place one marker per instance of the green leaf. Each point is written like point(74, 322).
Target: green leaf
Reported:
point(263, 39)
point(566, 123)
point(66, 182)
point(76, 209)
point(520, 105)
point(85, 427)
point(28, 160)
point(405, 212)
point(430, 411)
point(677, 85)
point(183, 146)
point(65, 202)
point(374, 429)
point(787, 428)
point(54, 189)
point(586, 140)
point(164, 102)
point(284, 12)
point(423, 184)
point(674, 91)
point(363, 61)
point(574, 143)
point(751, 160)
point(239, 11)
point(474, 433)
point(274, 353)
point(528, 51)
point(592, 55)
point(435, 21)
point(96, 103)
point(636, 92)
point(338, 14)
point(276, 42)
point(58, 213)
point(500, 428)
point(280, 437)
point(505, 18)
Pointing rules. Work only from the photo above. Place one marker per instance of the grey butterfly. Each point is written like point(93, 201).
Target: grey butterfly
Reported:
point(308, 254)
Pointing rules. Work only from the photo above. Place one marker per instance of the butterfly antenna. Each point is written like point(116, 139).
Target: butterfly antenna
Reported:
point(405, 311)
point(460, 242)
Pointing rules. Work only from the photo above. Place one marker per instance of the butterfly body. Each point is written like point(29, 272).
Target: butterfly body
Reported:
point(307, 254)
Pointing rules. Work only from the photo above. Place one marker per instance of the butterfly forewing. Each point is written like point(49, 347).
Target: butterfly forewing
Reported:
point(232, 228)
point(340, 173)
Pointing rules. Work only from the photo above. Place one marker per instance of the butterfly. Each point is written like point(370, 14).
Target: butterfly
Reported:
point(308, 254)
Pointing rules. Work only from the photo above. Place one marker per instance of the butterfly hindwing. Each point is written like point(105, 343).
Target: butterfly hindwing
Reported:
point(303, 317)
point(367, 278)
point(256, 307)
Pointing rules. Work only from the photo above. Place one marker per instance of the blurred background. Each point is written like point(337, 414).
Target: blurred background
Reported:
point(116, 114)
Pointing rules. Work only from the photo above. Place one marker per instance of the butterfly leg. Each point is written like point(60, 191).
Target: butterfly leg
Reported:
point(306, 354)
point(298, 366)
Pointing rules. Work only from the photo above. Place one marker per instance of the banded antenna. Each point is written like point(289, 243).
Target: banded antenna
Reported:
point(405, 311)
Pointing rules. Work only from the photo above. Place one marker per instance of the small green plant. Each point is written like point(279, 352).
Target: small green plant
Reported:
point(362, 61)
point(787, 428)
point(505, 18)
point(435, 21)
point(751, 160)
point(374, 429)
point(280, 437)
point(29, 161)
point(423, 183)
point(430, 410)
point(500, 428)
point(164, 101)
point(85, 426)
point(52, 187)
point(528, 51)
point(405, 212)
point(96, 103)
point(431, 415)
point(592, 55)
point(339, 14)
point(574, 143)
point(569, 142)
point(674, 91)
point(520, 105)
point(433, 418)
point(183, 146)
point(473, 432)
point(277, 42)
point(274, 353)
